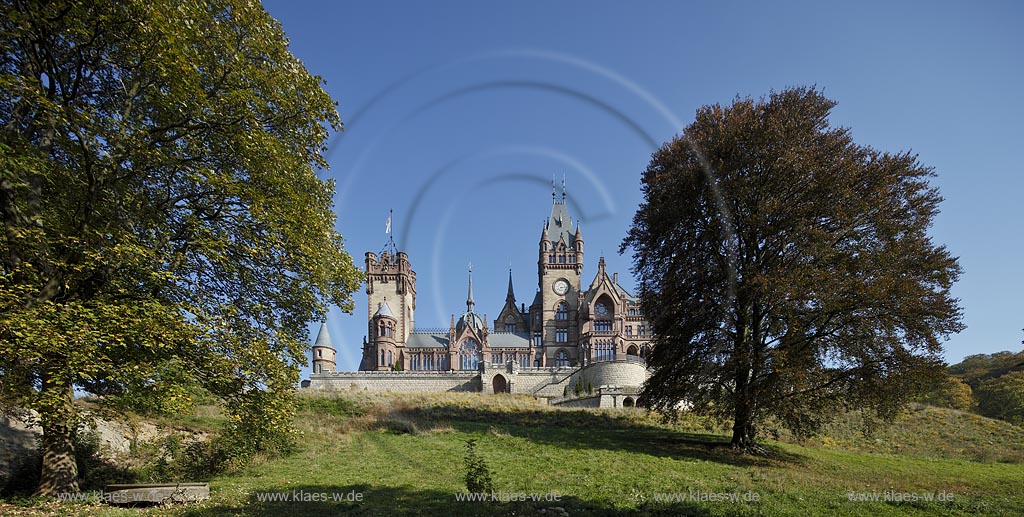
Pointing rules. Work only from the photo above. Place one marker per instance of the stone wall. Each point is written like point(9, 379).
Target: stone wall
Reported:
point(540, 382)
point(608, 397)
point(410, 382)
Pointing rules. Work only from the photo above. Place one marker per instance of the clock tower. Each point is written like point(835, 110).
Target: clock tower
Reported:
point(553, 315)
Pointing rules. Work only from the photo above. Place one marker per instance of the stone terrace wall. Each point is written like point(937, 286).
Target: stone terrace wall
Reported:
point(614, 373)
point(541, 382)
point(410, 382)
point(552, 382)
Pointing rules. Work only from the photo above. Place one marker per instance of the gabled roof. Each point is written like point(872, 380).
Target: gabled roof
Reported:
point(622, 292)
point(602, 279)
point(427, 340)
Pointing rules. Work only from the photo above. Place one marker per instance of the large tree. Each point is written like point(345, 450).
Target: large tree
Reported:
point(161, 210)
point(787, 270)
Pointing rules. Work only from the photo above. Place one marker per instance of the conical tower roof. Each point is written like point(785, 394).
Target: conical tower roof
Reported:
point(323, 338)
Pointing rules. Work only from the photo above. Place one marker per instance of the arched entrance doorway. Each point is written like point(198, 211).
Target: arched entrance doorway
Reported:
point(500, 384)
point(632, 350)
point(627, 402)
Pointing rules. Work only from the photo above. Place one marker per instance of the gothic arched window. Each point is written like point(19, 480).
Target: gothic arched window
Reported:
point(469, 355)
point(561, 358)
point(562, 312)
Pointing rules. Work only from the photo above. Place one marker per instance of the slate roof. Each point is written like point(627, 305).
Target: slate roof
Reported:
point(559, 224)
point(384, 310)
point(508, 340)
point(469, 319)
point(427, 340)
point(323, 338)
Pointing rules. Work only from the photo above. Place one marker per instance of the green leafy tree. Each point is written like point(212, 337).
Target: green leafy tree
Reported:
point(977, 368)
point(786, 269)
point(160, 206)
point(1003, 397)
point(950, 391)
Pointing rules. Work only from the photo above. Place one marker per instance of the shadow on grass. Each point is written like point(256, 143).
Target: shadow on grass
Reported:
point(389, 501)
point(582, 429)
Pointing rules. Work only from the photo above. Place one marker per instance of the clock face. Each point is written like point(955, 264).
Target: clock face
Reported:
point(601, 309)
point(561, 287)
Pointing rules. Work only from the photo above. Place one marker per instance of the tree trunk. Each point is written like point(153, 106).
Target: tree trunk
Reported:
point(60, 472)
point(743, 430)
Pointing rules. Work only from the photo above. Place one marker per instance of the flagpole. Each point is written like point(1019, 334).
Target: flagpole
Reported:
point(390, 245)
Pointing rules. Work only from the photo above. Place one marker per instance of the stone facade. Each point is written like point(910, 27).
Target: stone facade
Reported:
point(538, 349)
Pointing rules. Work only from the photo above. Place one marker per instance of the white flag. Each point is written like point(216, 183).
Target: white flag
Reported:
point(387, 227)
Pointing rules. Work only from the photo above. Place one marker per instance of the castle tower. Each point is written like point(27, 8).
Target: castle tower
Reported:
point(559, 268)
point(324, 354)
point(392, 278)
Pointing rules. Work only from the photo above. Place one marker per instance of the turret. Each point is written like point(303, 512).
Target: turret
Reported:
point(383, 328)
point(324, 354)
point(577, 243)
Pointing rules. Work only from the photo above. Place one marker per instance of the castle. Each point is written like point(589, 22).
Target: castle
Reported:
point(567, 338)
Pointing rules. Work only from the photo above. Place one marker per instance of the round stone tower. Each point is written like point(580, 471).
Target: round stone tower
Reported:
point(324, 355)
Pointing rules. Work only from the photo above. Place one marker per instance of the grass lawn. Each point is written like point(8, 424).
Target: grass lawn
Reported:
point(381, 454)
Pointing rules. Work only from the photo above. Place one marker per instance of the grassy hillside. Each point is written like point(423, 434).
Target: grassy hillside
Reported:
point(404, 455)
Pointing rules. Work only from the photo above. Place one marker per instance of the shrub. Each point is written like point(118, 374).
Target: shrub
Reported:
point(1003, 397)
point(478, 476)
point(950, 391)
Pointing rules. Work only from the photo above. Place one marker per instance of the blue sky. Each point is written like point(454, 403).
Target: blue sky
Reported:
point(459, 113)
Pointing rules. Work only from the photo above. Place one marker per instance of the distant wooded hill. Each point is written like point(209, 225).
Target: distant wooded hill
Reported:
point(988, 384)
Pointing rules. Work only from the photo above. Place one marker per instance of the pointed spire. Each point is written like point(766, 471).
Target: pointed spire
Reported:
point(563, 187)
point(469, 299)
point(510, 296)
point(323, 338)
point(552, 188)
point(579, 234)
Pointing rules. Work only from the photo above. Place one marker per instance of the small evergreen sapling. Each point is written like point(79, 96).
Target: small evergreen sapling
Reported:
point(478, 476)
